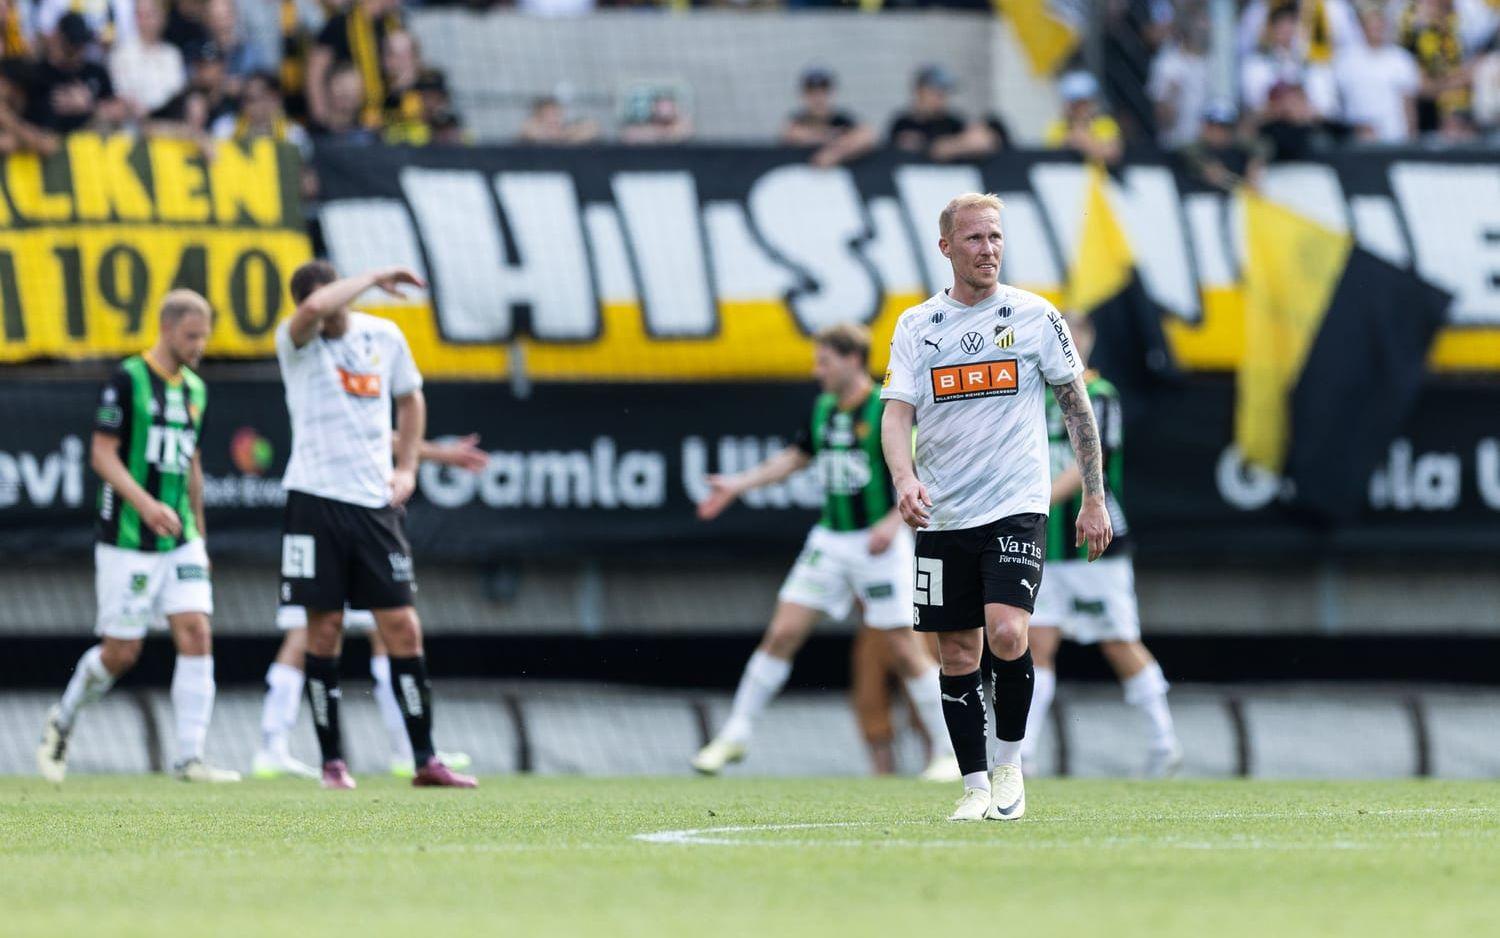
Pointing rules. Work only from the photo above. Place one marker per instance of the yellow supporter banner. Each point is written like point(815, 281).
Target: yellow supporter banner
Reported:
point(92, 238)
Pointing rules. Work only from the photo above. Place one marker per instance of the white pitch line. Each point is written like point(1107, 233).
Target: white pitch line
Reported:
point(723, 836)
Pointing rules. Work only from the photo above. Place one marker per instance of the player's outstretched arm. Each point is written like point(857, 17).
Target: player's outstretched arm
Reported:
point(462, 453)
point(104, 457)
point(332, 297)
point(912, 499)
point(1093, 525)
point(723, 490)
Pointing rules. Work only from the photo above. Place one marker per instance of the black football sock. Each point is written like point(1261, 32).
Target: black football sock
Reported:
point(963, 711)
point(414, 696)
point(323, 696)
point(1013, 686)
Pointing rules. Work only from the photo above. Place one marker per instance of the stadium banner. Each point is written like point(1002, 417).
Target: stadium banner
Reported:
point(717, 263)
point(94, 235)
point(595, 470)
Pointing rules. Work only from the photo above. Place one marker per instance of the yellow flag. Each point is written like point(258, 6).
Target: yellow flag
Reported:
point(1046, 37)
point(1103, 264)
point(1292, 266)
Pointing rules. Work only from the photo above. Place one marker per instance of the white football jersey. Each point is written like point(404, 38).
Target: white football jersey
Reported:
point(338, 392)
point(977, 376)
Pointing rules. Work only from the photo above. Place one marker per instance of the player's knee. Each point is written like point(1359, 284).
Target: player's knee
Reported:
point(1008, 637)
point(119, 656)
point(908, 651)
point(401, 631)
point(193, 636)
point(958, 657)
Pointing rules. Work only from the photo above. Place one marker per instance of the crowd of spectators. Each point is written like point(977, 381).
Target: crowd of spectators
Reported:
point(1311, 74)
point(193, 69)
point(1316, 74)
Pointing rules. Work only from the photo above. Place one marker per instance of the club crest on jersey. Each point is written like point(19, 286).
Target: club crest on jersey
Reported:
point(997, 378)
point(971, 343)
point(1005, 336)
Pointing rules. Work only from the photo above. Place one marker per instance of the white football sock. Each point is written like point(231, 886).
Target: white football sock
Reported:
point(927, 699)
point(278, 714)
point(1043, 688)
point(977, 780)
point(90, 681)
point(763, 679)
point(192, 703)
point(1146, 690)
point(1008, 751)
point(390, 711)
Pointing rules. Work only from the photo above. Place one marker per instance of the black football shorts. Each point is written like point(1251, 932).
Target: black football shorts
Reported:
point(336, 554)
point(959, 572)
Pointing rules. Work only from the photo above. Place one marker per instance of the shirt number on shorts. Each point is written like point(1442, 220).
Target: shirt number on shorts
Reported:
point(929, 584)
point(299, 558)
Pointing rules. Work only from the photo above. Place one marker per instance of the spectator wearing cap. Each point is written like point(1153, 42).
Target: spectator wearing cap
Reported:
point(1178, 84)
point(1378, 84)
point(660, 121)
point(110, 21)
point(437, 105)
point(1220, 155)
point(1281, 59)
point(147, 71)
point(1291, 127)
point(548, 124)
point(355, 36)
point(928, 120)
point(834, 133)
point(68, 91)
point(1083, 127)
point(194, 111)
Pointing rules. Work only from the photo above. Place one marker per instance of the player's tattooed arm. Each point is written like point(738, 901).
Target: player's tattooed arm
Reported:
point(1083, 432)
point(1093, 527)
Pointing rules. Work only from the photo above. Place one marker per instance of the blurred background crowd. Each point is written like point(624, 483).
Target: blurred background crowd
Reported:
point(1311, 75)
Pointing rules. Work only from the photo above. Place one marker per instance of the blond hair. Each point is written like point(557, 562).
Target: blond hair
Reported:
point(846, 338)
point(180, 303)
point(963, 203)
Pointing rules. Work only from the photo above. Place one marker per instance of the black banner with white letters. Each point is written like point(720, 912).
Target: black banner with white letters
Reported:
point(616, 470)
point(620, 264)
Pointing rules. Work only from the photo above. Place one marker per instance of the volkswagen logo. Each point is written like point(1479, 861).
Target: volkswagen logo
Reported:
point(972, 342)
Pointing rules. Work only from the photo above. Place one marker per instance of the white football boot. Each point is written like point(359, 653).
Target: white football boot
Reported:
point(275, 762)
point(52, 754)
point(1008, 789)
point(712, 759)
point(973, 806)
point(942, 769)
point(196, 770)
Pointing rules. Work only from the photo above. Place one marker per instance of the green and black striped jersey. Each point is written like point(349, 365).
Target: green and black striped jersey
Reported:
point(845, 444)
point(158, 421)
point(1064, 514)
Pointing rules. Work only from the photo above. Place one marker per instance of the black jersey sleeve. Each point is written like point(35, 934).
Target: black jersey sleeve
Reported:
point(113, 414)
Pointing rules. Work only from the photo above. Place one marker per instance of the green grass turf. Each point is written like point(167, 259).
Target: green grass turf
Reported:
point(558, 856)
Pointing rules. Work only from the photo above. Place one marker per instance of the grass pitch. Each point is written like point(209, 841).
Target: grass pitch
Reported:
point(669, 857)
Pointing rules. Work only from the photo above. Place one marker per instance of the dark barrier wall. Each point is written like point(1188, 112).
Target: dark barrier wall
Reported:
point(605, 469)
